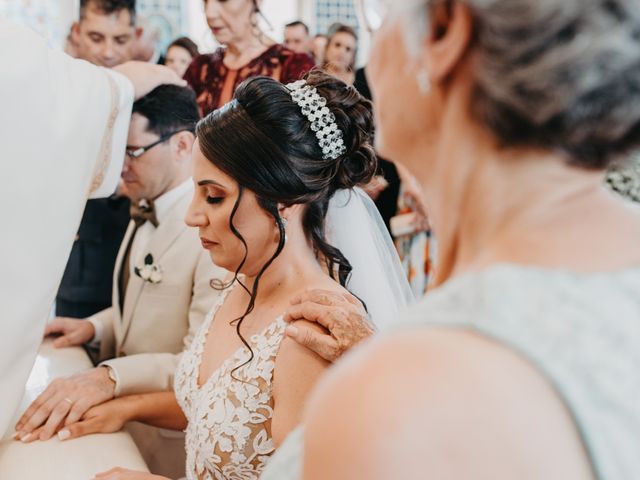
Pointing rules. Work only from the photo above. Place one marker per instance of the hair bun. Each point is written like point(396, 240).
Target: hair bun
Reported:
point(354, 118)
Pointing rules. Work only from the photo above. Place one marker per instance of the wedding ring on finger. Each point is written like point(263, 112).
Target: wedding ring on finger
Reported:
point(67, 399)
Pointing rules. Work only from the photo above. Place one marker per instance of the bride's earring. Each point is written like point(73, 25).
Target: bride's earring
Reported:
point(422, 79)
point(284, 226)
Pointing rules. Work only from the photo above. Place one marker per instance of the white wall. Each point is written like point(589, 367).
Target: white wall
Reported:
point(49, 18)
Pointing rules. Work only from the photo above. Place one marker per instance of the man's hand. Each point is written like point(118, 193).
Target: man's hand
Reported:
point(65, 401)
point(342, 315)
point(108, 417)
point(146, 76)
point(120, 473)
point(74, 332)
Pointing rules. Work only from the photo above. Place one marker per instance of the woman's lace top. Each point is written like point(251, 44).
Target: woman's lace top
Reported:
point(229, 416)
point(582, 332)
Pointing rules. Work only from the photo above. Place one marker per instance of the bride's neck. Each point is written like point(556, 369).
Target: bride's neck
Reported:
point(288, 271)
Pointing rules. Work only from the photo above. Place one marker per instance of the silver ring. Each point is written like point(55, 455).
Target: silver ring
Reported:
point(67, 399)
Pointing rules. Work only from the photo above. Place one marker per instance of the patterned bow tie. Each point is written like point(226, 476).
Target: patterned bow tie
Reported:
point(142, 212)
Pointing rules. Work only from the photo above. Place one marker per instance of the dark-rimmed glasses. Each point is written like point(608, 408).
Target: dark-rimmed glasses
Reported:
point(137, 152)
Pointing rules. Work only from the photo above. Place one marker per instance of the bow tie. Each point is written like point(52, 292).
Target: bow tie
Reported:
point(142, 212)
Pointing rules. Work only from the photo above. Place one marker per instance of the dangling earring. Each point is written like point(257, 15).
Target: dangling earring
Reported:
point(422, 79)
point(284, 227)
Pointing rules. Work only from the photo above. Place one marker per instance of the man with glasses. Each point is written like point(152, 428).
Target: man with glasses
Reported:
point(161, 286)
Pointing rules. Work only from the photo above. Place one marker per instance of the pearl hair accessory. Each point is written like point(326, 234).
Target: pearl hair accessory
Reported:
point(323, 121)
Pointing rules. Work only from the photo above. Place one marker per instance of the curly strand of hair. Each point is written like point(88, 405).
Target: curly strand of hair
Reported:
point(217, 284)
point(271, 208)
point(314, 221)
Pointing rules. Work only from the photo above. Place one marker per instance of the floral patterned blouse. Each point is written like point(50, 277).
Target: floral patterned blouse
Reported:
point(214, 83)
point(228, 434)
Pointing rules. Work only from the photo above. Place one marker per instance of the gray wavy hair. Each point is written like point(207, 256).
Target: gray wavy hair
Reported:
point(556, 74)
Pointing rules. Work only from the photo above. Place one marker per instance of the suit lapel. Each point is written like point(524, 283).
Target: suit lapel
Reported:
point(117, 271)
point(164, 236)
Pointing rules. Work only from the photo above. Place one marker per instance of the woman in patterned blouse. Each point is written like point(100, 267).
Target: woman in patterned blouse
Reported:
point(246, 52)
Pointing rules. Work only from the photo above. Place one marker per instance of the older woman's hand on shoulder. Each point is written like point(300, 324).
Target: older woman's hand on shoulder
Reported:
point(342, 315)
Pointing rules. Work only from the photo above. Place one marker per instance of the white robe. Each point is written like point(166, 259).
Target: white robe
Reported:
point(63, 129)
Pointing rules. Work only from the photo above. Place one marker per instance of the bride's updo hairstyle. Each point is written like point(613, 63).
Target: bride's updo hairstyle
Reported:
point(262, 140)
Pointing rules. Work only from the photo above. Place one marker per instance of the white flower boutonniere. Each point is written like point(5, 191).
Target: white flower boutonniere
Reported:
point(149, 272)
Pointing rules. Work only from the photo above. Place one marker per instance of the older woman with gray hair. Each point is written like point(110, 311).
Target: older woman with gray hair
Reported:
point(523, 362)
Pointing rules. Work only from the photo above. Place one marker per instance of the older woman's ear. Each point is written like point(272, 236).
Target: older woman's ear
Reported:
point(449, 36)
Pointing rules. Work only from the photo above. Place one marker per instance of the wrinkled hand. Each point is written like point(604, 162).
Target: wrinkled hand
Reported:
point(146, 76)
point(341, 314)
point(120, 473)
point(74, 332)
point(64, 401)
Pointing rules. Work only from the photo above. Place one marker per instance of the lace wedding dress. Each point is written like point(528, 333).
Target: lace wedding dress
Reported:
point(229, 416)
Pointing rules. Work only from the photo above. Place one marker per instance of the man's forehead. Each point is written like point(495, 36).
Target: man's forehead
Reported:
point(297, 29)
point(139, 123)
point(116, 23)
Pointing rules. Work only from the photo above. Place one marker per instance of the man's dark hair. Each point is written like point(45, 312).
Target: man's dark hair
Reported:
point(108, 7)
point(169, 108)
point(296, 24)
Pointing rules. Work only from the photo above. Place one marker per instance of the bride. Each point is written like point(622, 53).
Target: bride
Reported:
point(268, 167)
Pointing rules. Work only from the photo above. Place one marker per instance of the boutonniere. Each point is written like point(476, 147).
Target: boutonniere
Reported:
point(149, 272)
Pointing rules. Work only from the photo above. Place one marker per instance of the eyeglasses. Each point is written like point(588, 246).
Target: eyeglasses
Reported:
point(137, 152)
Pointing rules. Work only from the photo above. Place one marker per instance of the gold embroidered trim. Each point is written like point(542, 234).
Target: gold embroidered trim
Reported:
point(104, 157)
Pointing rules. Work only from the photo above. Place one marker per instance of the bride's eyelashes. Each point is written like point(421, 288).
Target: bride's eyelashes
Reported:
point(214, 200)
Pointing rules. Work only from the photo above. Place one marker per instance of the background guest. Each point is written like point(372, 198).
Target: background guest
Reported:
point(104, 36)
point(145, 46)
point(340, 54)
point(180, 54)
point(105, 31)
point(246, 52)
point(318, 47)
point(296, 37)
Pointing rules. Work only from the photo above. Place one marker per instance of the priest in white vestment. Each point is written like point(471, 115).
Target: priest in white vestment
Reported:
point(63, 130)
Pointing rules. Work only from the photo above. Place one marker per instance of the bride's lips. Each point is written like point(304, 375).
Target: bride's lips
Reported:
point(207, 244)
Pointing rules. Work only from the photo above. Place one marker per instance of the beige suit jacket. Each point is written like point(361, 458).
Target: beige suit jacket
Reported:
point(143, 342)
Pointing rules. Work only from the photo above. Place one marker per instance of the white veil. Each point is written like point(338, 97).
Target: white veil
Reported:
point(354, 226)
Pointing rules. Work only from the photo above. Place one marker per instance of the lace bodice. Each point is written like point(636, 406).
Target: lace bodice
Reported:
point(229, 416)
point(582, 331)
